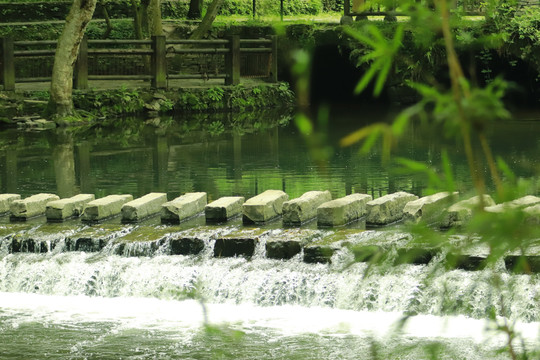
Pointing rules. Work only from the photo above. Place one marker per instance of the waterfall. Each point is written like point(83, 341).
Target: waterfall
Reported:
point(138, 286)
point(144, 269)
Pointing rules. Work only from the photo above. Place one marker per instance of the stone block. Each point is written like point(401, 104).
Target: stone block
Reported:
point(459, 213)
point(428, 208)
point(264, 207)
point(238, 243)
point(520, 203)
point(183, 207)
point(106, 207)
point(143, 207)
point(304, 208)
point(224, 208)
point(289, 242)
point(388, 209)
point(62, 209)
point(32, 206)
point(6, 200)
point(342, 211)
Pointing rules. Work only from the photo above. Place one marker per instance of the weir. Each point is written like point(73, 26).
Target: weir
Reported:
point(191, 227)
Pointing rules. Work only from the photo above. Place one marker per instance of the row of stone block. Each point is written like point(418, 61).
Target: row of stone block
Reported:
point(310, 246)
point(95, 210)
point(440, 208)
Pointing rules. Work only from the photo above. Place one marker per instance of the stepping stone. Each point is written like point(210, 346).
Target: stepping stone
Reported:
point(143, 207)
point(427, 208)
point(238, 243)
point(32, 206)
point(62, 209)
point(520, 203)
point(224, 208)
point(183, 207)
point(342, 211)
point(289, 242)
point(461, 212)
point(264, 207)
point(304, 208)
point(6, 200)
point(388, 209)
point(105, 207)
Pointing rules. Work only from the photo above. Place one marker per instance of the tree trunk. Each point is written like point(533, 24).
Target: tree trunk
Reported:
point(107, 18)
point(61, 100)
point(155, 27)
point(195, 8)
point(207, 21)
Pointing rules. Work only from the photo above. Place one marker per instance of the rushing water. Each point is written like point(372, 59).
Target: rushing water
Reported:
point(76, 305)
point(144, 304)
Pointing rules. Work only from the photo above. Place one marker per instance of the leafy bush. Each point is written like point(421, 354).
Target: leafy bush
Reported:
point(271, 7)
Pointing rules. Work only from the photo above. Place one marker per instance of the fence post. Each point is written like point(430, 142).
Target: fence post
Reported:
point(274, 56)
point(159, 63)
point(81, 67)
point(232, 61)
point(8, 64)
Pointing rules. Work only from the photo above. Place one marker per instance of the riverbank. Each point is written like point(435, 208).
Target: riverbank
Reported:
point(26, 108)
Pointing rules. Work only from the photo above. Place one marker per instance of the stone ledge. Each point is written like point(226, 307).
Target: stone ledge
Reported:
point(388, 209)
point(105, 207)
point(143, 207)
point(183, 207)
point(304, 208)
point(264, 207)
point(343, 210)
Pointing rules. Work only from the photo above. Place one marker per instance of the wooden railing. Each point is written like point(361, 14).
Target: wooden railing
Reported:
point(149, 59)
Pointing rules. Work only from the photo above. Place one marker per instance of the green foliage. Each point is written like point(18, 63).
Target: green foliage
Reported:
point(111, 102)
point(268, 7)
point(464, 109)
point(380, 57)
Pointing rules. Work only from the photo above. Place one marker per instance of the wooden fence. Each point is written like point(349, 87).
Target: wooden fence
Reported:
point(233, 57)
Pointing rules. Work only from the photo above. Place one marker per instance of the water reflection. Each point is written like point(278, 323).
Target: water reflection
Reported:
point(251, 155)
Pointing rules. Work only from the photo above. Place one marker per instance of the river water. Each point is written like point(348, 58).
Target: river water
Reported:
point(78, 305)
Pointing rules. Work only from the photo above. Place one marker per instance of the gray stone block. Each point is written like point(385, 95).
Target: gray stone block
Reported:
point(183, 207)
point(6, 200)
point(343, 210)
point(304, 208)
point(224, 208)
point(143, 207)
point(428, 208)
point(32, 206)
point(388, 209)
point(62, 209)
point(106, 207)
point(520, 203)
point(264, 207)
point(459, 213)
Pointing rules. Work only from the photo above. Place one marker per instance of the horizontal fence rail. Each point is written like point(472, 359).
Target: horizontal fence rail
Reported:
point(157, 60)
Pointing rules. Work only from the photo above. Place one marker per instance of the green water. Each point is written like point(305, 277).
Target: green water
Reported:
point(243, 157)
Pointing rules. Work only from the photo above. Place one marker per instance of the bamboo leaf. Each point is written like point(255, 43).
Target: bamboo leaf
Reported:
point(364, 81)
point(447, 169)
point(358, 135)
point(381, 78)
